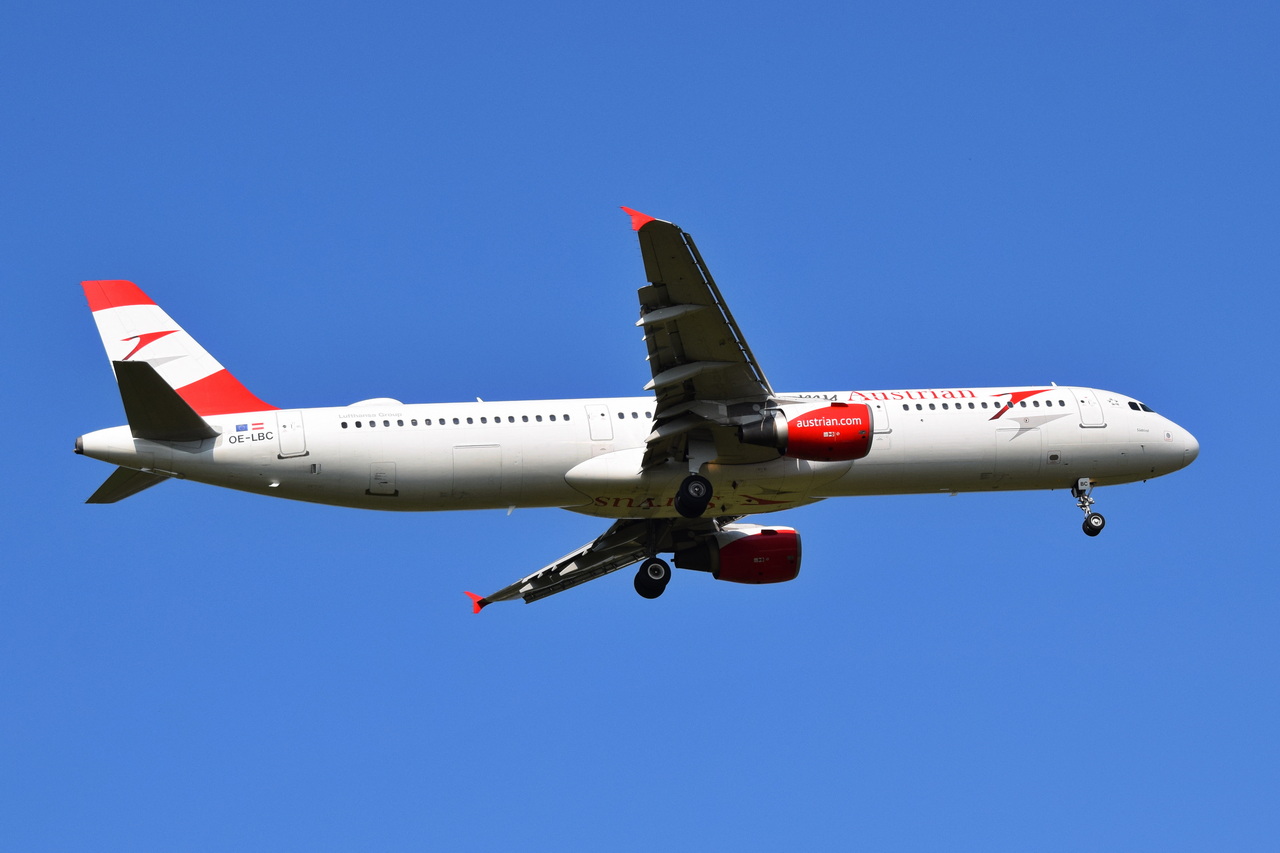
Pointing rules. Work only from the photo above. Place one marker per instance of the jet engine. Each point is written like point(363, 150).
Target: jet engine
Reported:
point(746, 553)
point(836, 433)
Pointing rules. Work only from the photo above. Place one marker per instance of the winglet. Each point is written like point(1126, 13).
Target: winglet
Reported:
point(478, 602)
point(638, 219)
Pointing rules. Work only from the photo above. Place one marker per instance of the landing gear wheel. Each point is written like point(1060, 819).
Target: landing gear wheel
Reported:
point(693, 496)
point(653, 577)
point(1093, 523)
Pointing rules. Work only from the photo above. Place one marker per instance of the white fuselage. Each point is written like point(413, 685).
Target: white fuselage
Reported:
point(586, 454)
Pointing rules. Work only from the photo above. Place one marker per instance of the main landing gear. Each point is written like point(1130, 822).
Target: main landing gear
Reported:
point(653, 577)
point(1093, 522)
point(693, 496)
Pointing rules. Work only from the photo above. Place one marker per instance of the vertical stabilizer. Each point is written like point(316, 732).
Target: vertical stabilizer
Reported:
point(133, 328)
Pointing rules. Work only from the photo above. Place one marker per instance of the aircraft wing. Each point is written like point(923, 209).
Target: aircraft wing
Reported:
point(705, 377)
point(628, 541)
point(620, 546)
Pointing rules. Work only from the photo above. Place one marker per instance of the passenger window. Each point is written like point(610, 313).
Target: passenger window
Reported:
point(538, 418)
point(621, 415)
point(455, 420)
point(372, 424)
point(386, 423)
point(635, 414)
point(919, 407)
point(944, 405)
point(906, 407)
point(524, 418)
point(971, 405)
point(399, 423)
point(413, 422)
point(566, 417)
point(553, 417)
point(648, 414)
point(932, 407)
point(1062, 403)
point(359, 424)
point(511, 419)
point(1035, 403)
point(344, 424)
point(984, 404)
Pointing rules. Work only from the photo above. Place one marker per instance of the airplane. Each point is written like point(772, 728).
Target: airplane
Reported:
point(675, 470)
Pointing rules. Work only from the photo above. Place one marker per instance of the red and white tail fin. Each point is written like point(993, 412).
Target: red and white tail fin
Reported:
point(133, 328)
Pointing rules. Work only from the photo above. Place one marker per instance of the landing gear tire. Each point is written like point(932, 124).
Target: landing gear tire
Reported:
point(1093, 524)
point(653, 577)
point(693, 496)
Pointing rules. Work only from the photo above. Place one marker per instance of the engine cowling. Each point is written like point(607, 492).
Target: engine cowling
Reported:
point(836, 433)
point(746, 553)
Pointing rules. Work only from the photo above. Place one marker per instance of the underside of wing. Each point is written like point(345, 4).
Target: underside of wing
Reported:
point(628, 541)
point(705, 378)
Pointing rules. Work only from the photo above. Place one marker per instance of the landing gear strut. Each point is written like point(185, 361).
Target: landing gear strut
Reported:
point(693, 496)
point(1093, 522)
point(653, 577)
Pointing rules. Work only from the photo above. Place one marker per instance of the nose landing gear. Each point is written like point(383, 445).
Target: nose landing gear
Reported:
point(652, 578)
point(1093, 522)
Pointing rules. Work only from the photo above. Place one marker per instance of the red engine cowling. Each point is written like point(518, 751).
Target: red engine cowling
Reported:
point(746, 553)
point(835, 433)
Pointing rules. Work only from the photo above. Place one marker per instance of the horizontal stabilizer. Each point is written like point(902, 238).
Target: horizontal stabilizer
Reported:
point(124, 483)
point(155, 411)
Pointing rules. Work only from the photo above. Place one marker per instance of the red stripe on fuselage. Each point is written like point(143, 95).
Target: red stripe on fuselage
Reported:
point(1015, 397)
point(221, 394)
point(113, 294)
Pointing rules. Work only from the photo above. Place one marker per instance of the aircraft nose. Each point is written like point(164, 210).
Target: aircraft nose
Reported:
point(1191, 449)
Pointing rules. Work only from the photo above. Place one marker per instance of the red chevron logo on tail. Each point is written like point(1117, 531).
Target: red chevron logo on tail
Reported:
point(143, 340)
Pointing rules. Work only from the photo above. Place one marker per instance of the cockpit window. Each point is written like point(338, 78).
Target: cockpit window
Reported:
point(1146, 408)
point(1140, 407)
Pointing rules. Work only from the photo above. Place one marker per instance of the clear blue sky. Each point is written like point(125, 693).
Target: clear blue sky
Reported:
point(420, 201)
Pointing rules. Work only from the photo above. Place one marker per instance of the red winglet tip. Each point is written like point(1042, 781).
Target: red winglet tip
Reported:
point(478, 602)
point(638, 219)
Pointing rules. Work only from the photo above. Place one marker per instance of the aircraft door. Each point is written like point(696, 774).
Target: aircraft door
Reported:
point(601, 427)
point(1018, 454)
point(880, 417)
point(293, 440)
point(1091, 412)
point(477, 475)
point(382, 479)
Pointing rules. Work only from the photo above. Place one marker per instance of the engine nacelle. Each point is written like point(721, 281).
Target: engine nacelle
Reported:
point(746, 553)
point(835, 433)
